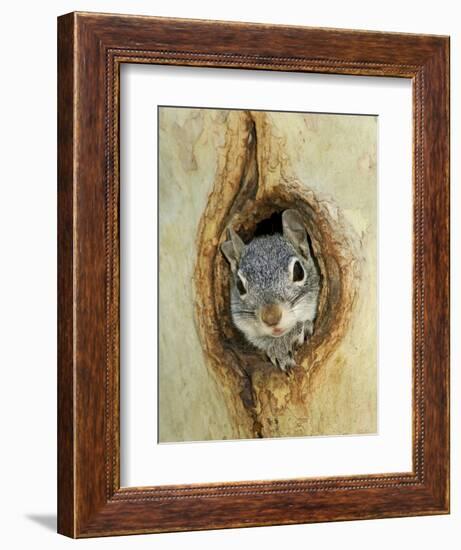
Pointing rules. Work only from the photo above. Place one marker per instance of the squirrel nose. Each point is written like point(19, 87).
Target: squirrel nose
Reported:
point(271, 314)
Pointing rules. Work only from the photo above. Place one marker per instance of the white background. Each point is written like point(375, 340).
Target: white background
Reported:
point(28, 273)
point(143, 462)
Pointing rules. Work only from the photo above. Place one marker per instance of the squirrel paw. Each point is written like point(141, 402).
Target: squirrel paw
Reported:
point(308, 329)
point(287, 368)
point(301, 338)
point(285, 364)
point(306, 333)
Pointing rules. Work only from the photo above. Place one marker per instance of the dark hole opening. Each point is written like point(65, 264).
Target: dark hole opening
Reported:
point(270, 225)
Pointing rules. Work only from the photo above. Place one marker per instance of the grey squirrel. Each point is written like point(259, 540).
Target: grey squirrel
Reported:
point(274, 290)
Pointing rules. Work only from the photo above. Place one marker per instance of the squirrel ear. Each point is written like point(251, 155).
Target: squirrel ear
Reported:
point(294, 231)
point(232, 249)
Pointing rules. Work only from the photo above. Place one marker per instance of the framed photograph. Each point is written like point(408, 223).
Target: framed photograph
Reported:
point(253, 259)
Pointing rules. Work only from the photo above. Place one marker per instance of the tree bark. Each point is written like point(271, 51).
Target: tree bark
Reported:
point(257, 164)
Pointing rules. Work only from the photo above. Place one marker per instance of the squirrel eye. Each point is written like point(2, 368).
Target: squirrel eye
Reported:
point(298, 272)
point(240, 286)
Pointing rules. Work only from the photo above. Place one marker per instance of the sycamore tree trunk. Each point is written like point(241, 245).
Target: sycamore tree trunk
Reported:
point(221, 168)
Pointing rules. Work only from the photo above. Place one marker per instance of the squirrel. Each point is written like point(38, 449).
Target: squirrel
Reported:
point(274, 289)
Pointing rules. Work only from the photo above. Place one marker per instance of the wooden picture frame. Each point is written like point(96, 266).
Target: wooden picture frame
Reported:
point(91, 48)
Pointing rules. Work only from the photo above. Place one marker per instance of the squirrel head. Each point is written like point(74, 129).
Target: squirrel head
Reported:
point(275, 282)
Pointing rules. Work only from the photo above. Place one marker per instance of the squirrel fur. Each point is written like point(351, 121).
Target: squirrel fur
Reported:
point(275, 288)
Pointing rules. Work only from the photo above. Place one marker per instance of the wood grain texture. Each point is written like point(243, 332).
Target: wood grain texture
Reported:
point(91, 48)
point(66, 511)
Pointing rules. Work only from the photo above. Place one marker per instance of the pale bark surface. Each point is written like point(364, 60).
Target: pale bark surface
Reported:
point(233, 167)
